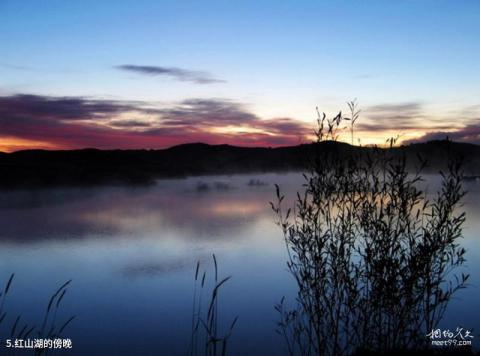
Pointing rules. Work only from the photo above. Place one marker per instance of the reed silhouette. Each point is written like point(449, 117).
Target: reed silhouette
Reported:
point(205, 333)
point(50, 327)
point(376, 261)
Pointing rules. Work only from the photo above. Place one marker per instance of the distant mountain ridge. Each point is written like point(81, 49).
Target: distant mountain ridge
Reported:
point(41, 168)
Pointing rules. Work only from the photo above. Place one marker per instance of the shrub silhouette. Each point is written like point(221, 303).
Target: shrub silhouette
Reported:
point(372, 256)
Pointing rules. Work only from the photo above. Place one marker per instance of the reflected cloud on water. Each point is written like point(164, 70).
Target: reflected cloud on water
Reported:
point(114, 212)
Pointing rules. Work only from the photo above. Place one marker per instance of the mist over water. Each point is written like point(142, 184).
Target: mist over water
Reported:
point(131, 252)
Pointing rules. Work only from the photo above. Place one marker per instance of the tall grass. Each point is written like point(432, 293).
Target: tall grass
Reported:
point(206, 338)
point(50, 328)
point(373, 257)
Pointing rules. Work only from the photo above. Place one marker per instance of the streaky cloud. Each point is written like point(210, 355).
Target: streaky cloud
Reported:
point(199, 77)
point(468, 134)
point(78, 122)
point(24, 106)
point(392, 116)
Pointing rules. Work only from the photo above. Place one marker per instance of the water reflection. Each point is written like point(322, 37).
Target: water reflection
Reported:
point(81, 213)
point(131, 253)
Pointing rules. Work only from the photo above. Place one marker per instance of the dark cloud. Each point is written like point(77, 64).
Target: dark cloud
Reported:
point(470, 134)
point(401, 116)
point(285, 125)
point(412, 116)
point(207, 112)
point(198, 77)
point(401, 125)
point(76, 122)
point(412, 107)
point(59, 108)
point(129, 123)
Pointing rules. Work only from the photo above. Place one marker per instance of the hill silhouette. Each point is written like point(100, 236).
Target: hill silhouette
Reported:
point(42, 168)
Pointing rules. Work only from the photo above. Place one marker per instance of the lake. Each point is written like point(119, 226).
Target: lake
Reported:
point(131, 253)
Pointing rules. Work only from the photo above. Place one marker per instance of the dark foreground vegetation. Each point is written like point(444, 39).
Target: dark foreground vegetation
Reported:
point(376, 261)
point(14, 327)
point(37, 168)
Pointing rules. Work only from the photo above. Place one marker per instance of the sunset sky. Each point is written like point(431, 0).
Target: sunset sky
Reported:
point(152, 74)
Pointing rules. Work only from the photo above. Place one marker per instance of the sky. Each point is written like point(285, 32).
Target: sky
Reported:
point(152, 74)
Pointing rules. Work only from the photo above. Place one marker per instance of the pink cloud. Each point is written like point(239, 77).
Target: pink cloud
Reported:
point(77, 122)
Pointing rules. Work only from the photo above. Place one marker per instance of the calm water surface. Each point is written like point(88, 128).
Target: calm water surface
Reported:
point(131, 253)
